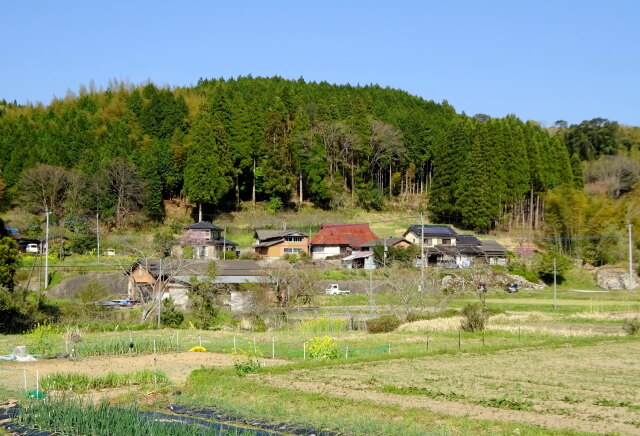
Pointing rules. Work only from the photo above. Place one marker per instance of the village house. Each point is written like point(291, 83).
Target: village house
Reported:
point(175, 277)
point(433, 234)
point(468, 249)
point(443, 246)
point(207, 241)
point(274, 244)
point(336, 241)
point(494, 252)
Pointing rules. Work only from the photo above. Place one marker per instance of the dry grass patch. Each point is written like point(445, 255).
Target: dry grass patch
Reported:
point(586, 388)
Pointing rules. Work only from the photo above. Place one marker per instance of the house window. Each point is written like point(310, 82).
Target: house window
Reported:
point(207, 235)
point(292, 250)
point(446, 242)
point(428, 241)
point(294, 238)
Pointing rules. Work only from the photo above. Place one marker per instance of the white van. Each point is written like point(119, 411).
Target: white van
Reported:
point(32, 248)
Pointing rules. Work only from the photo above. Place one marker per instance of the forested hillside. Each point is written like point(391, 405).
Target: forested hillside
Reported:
point(122, 151)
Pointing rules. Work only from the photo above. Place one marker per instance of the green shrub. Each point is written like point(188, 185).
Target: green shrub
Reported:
point(290, 257)
point(323, 347)
point(631, 326)
point(563, 265)
point(43, 340)
point(170, 316)
point(229, 255)
point(246, 361)
point(522, 271)
point(258, 325)
point(247, 365)
point(383, 324)
point(420, 316)
point(187, 252)
point(274, 205)
point(475, 318)
point(93, 291)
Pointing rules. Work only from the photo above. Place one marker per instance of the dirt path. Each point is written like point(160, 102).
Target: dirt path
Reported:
point(177, 366)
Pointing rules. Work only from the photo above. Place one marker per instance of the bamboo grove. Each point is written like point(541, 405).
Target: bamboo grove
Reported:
point(223, 142)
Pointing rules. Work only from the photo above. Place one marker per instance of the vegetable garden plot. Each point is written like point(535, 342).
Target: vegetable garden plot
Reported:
point(71, 416)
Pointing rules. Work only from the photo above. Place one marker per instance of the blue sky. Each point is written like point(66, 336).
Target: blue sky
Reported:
point(542, 60)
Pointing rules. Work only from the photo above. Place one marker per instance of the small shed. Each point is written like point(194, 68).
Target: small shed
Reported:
point(359, 260)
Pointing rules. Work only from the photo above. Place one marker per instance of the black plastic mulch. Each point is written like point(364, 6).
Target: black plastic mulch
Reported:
point(10, 413)
point(217, 426)
point(217, 414)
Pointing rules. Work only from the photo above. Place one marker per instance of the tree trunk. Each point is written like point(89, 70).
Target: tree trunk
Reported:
point(237, 193)
point(390, 183)
point(253, 189)
point(531, 205)
point(301, 188)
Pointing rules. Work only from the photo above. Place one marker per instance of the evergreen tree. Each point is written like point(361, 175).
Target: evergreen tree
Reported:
point(207, 175)
point(478, 199)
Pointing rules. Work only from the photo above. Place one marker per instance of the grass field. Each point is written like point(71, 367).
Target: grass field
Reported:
point(534, 370)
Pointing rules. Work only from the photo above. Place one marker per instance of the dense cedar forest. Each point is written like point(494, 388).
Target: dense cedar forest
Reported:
point(120, 152)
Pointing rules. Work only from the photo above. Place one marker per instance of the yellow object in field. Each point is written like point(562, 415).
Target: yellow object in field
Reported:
point(192, 326)
point(198, 349)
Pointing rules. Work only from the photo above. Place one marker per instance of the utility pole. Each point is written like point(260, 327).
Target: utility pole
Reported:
point(384, 252)
point(371, 299)
point(46, 254)
point(630, 259)
point(422, 265)
point(224, 243)
point(555, 302)
point(98, 236)
point(160, 292)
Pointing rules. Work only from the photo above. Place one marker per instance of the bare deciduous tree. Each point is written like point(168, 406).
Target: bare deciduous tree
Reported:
point(45, 188)
point(121, 180)
point(411, 290)
point(616, 173)
point(292, 287)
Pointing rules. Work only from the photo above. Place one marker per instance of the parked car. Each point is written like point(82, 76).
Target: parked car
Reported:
point(334, 289)
point(32, 248)
point(511, 288)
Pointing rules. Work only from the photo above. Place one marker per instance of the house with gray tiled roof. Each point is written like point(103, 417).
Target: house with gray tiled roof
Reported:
point(207, 241)
point(274, 244)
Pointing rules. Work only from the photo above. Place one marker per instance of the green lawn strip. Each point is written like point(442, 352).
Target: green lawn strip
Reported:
point(83, 383)
point(477, 349)
point(247, 397)
point(288, 344)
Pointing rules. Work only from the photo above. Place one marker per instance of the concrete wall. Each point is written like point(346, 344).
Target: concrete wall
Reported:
point(323, 251)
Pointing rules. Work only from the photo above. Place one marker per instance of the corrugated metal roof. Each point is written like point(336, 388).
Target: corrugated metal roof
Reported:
point(352, 235)
point(358, 255)
point(389, 242)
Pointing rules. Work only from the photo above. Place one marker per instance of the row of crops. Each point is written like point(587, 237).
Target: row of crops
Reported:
point(72, 416)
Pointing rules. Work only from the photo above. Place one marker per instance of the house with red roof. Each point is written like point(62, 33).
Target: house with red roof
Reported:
point(336, 241)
